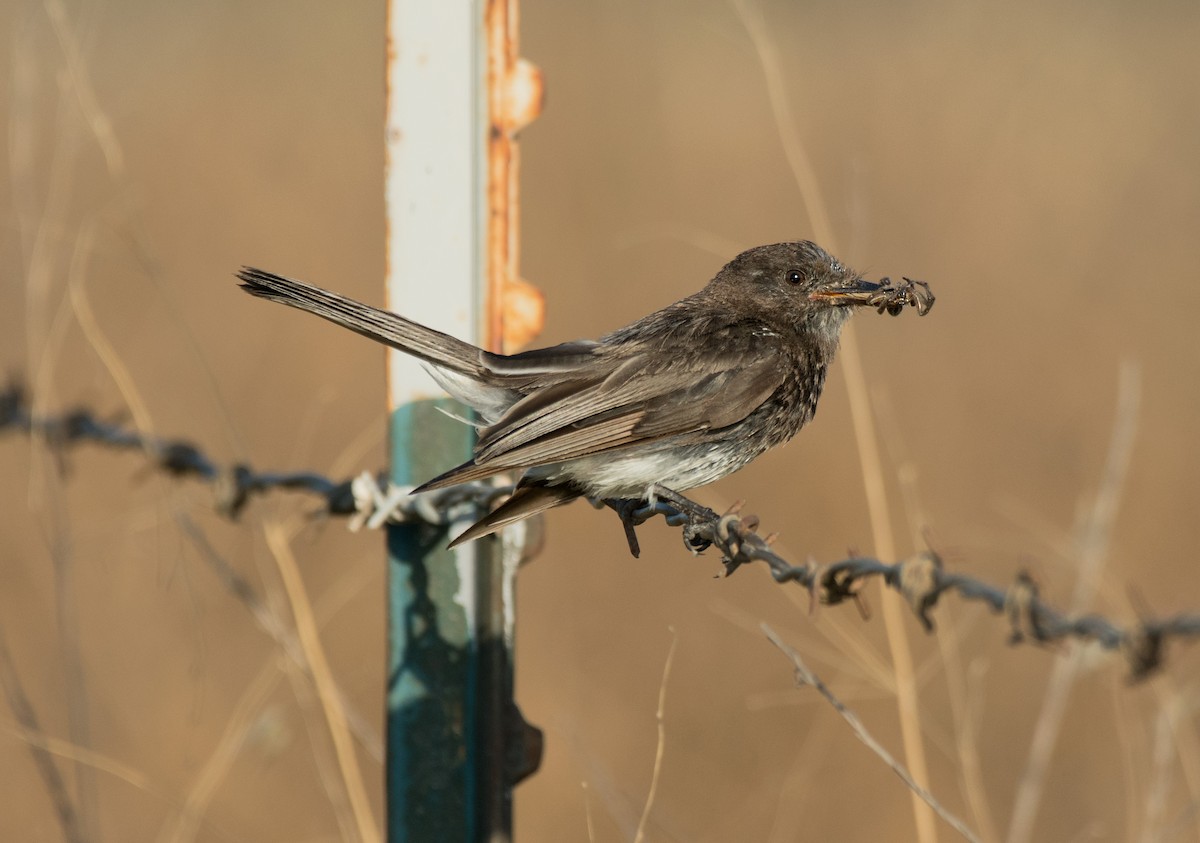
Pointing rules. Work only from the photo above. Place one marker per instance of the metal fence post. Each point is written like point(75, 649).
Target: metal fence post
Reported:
point(456, 96)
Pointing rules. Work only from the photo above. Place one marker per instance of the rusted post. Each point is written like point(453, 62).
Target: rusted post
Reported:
point(456, 96)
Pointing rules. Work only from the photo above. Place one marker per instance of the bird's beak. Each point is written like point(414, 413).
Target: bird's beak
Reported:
point(855, 291)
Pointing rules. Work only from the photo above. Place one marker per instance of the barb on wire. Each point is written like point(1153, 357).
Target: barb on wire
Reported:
point(371, 501)
point(921, 580)
point(368, 500)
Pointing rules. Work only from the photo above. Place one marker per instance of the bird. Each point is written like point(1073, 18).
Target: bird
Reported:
point(677, 399)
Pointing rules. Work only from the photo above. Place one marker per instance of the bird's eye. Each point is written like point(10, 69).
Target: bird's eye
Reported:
point(794, 276)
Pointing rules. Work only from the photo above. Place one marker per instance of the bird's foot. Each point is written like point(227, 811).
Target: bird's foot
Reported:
point(682, 512)
point(674, 507)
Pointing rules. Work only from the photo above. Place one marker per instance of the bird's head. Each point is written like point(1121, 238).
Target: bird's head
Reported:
point(800, 284)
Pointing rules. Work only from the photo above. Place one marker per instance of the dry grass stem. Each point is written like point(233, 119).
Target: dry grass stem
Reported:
point(42, 244)
point(969, 727)
point(183, 826)
point(322, 677)
point(662, 740)
point(804, 676)
point(96, 337)
point(270, 622)
point(860, 406)
point(65, 810)
point(80, 86)
point(1093, 546)
point(958, 681)
point(1161, 768)
point(587, 814)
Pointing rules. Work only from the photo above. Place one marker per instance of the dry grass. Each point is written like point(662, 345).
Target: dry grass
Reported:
point(861, 414)
point(1035, 164)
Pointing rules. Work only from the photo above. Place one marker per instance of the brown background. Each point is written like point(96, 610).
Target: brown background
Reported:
point(1037, 163)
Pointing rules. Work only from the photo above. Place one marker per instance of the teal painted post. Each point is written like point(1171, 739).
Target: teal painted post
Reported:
point(446, 684)
point(429, 654)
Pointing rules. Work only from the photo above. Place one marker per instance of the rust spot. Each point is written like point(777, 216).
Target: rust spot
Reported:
point(524, 314)
point(526, 94)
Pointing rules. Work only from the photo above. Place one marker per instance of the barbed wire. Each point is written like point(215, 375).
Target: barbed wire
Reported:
point(367, 500)
point(370, 500)
point(921, 579)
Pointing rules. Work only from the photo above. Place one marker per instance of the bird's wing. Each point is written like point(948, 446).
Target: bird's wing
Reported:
point(648, 397)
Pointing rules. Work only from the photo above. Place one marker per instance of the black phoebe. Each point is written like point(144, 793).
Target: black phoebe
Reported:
point(678, 399)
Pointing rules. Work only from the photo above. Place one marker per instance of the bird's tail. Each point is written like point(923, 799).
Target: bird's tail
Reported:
point(382, 326)
point(526, 501)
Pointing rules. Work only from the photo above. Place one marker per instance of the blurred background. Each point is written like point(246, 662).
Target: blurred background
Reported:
point(1036, 163)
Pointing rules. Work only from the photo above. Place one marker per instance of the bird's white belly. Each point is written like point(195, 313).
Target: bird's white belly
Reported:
point(627, 474)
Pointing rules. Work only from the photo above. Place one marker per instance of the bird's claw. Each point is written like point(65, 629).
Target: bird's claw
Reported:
point(672, 506)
